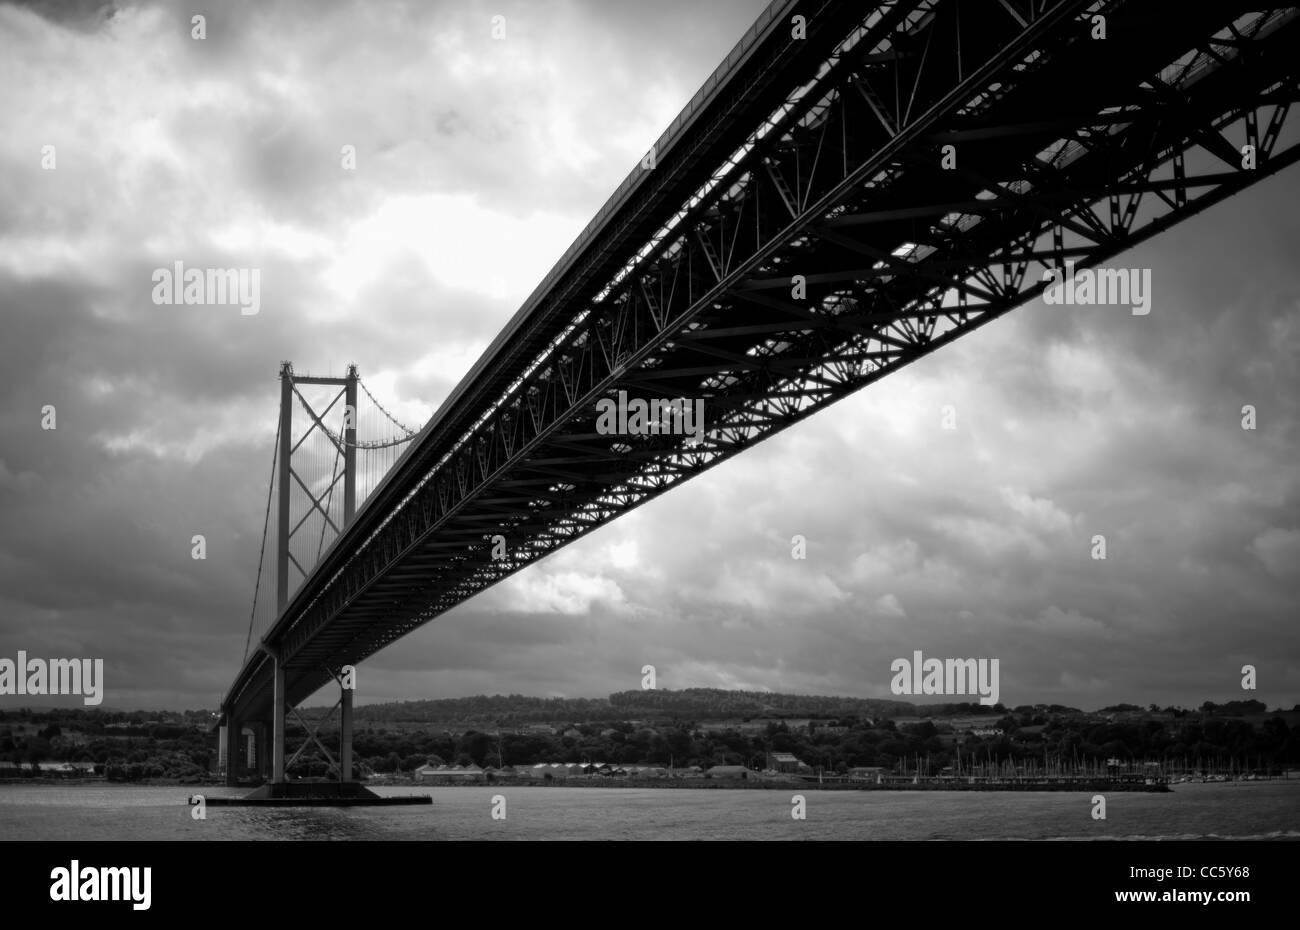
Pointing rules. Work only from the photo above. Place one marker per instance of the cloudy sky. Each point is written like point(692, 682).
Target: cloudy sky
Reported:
point(478, 161)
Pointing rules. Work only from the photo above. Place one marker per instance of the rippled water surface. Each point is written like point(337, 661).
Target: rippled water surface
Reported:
point(102, 812)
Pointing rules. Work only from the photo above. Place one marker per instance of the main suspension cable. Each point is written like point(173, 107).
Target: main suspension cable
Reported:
point(378, 443)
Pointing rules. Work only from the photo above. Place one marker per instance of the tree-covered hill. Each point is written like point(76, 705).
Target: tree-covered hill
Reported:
point(694, 703)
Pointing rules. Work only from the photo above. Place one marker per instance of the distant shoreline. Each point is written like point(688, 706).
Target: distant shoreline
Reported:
point(1082, 785)
point(763, 785)
point(685, 784)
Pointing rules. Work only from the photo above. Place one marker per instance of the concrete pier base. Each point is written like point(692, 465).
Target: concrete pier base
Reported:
point(315, 794)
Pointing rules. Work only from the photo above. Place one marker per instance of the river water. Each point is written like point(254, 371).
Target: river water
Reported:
point(1243, 810)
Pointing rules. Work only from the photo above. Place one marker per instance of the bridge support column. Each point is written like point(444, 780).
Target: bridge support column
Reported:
point(230, 750)
point(262, 746)
point(277, 726)
point(345, 737)
point(221, 751)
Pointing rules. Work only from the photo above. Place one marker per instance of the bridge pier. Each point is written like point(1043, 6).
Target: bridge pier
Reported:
point(278, 773)
point(345, 736)
point(230, 750)
point(277, 725)
point(279, 788)
point(248, 734)
point(261, 749)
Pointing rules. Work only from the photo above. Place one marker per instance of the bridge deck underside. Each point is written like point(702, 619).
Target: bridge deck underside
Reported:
point(827, 161)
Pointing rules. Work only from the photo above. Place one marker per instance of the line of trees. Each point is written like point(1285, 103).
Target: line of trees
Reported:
point(1215, 741)
point(1236, 734)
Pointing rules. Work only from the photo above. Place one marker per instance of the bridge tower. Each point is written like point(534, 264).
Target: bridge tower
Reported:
point(270, 759)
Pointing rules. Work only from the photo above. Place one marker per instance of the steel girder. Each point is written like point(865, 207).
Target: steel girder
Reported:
point(842, 182)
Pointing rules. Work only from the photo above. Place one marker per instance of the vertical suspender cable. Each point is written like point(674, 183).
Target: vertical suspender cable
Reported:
point(266, 521)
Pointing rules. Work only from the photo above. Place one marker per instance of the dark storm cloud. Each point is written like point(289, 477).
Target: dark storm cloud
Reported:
point(74, 14)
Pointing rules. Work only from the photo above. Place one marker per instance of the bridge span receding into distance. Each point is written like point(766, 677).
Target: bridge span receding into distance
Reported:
point(853, 187)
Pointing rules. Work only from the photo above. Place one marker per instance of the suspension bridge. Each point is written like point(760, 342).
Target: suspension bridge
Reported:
point(855, 186)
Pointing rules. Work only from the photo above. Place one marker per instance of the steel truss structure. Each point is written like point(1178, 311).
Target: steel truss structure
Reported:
point(831, 206)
